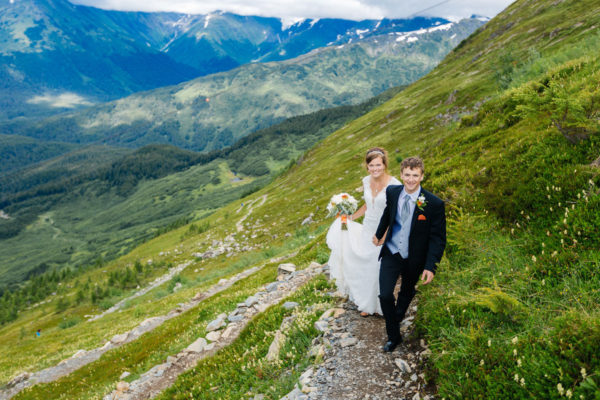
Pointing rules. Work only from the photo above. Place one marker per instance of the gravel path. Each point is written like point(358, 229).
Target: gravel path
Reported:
point(83, 357)
point(239, 225)
point(162, 376)
point(355, 367)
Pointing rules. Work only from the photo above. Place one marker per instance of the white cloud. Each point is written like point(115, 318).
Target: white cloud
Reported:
point(63, 100)
point(290, 10)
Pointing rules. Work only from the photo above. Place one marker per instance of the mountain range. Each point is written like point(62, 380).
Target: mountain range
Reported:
point(56, 56)
point(214, 111)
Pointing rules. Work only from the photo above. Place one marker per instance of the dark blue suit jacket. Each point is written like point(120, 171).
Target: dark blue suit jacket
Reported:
point(427, 239)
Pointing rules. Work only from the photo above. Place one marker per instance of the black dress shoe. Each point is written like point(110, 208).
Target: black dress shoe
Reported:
point(389, 346)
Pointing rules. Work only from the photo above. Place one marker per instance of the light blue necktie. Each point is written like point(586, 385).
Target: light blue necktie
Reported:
point(405, 210)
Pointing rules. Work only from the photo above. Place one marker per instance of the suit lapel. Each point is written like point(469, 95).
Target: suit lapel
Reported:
point(414, 216)
point(394, 209)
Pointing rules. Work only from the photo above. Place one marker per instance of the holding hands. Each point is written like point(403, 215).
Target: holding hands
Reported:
point(378, 242)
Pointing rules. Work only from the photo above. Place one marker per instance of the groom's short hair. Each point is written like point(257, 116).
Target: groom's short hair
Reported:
point(412, 163)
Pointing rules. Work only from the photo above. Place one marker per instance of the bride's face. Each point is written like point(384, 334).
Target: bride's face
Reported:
point(376, 167)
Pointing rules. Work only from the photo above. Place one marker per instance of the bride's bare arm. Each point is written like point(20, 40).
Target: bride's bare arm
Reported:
point(359, 213)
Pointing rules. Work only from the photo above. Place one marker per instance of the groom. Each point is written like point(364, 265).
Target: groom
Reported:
point(414, 244)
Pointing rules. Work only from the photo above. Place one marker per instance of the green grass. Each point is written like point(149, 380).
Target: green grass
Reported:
point(23, 351)
point(152, 348)
point(240, 370)
point(493, 326)
point(523, 205)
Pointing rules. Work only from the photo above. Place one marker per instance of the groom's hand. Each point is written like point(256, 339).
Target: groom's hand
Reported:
point(427, 276)
point(376, 241)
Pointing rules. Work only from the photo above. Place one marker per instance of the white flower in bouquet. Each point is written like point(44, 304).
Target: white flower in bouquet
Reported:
point(342, 203)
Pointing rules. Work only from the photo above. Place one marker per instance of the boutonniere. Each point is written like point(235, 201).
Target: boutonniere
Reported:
point(421, 203)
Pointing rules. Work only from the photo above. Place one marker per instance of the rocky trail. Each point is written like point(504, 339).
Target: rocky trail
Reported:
point(354, 365)
point(84, 357)
point(221, 332)
point(240, 224)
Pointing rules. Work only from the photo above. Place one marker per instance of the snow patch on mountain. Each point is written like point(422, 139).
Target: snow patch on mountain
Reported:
point(411, 36)
point(444, 27)
point(361, 32)
point(287, 23)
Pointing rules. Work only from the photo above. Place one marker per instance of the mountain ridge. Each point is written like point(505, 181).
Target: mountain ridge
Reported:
point(197, 114)
point(56, 56)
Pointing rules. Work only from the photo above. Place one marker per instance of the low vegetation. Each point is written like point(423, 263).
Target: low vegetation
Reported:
point(510, 143)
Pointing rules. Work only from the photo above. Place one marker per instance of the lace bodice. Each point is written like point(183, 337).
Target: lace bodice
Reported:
point(375, 205)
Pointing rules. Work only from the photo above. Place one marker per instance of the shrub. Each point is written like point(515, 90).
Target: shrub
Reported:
point(67, 323)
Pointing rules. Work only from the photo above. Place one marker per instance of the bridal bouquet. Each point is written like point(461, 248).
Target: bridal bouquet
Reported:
point(343, 204)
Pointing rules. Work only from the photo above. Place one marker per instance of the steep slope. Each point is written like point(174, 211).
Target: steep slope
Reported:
point(508, 128)
point(105, 200)
point(214, 111)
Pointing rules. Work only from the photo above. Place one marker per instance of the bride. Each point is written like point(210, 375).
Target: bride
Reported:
point(354, 261)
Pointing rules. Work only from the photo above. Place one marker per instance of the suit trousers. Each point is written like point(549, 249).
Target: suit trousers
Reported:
point(392, 267)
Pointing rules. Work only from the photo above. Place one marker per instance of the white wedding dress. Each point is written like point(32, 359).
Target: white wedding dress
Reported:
point(353, 262)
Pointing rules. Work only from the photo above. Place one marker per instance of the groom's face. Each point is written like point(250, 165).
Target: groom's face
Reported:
point(412, 179)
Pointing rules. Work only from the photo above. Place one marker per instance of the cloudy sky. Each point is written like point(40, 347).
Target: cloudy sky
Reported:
point(297, 9)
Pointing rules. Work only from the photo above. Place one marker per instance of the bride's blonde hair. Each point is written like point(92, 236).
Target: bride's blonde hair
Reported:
point(375, 152)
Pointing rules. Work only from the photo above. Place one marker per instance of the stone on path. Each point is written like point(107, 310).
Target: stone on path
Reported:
point(118, 339)
point(286, 269)
point(213, 336)
point(215, 324)
point(250, 301)
point(198, 346)
point(403, 365)
point(288, 305)
point(348, 341)
point(322, 326)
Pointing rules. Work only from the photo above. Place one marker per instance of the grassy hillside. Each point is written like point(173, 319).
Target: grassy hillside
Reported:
point(508, 128)
point(100, 202)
